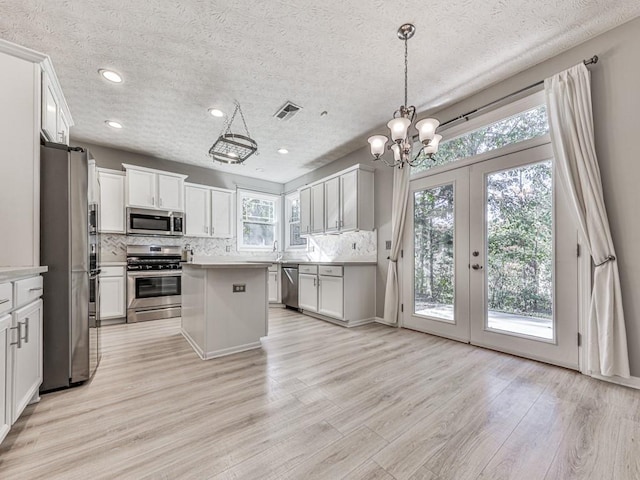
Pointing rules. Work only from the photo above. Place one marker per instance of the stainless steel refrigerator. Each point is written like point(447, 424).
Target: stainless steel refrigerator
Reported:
point(70, 247)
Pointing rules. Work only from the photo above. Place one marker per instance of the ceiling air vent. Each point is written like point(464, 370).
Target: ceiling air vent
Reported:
point(288, 110)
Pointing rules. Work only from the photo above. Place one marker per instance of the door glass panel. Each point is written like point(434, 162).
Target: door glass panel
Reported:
point(433, 248)
point(519, 233)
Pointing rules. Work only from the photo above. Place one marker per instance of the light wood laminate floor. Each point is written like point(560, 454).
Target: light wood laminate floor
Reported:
point(322, 401)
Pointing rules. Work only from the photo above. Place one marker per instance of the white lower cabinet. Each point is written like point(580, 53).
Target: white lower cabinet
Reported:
point(113, 292)
point(5, 375)
point(274, 287)
point(331, 296)
point(343, 294)
point(308, 291)
point(20, 345)
point(26, 356)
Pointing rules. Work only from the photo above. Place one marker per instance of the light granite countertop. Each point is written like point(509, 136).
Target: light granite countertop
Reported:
point(231, 264)
point(8, 274)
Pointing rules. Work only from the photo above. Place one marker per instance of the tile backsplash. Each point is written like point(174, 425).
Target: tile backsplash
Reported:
point(319, 248)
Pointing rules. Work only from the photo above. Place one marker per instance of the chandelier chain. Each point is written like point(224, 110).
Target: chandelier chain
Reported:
point(406, 69)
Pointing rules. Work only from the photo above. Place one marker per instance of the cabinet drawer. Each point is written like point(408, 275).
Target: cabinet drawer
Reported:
point(6, 297)
point(27, 290)
point(330, 271)
point(111, 271)
point(313, 269)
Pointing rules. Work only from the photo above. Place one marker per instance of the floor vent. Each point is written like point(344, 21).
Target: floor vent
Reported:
point(288, 110)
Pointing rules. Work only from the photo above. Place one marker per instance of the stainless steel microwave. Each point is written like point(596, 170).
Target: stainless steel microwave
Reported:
point(141, 221)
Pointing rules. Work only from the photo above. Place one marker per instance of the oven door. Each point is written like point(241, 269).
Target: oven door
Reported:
point(148, 222)
point(153, 289)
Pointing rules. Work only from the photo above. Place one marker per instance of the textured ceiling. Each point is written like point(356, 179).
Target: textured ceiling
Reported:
point(179, 58)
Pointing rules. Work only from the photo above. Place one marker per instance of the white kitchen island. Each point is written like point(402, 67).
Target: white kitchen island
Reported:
point(224, 306)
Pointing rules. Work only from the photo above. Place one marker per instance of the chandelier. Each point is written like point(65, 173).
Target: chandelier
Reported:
point(233, 148)
point(403, 118)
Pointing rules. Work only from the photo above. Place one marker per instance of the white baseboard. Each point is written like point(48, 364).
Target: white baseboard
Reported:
point(384, 322)
point(632, 382)
point(219, 353)
point(193, 344)
point(229, 351)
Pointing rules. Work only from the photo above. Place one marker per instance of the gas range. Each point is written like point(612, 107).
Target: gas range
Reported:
point(154, 282)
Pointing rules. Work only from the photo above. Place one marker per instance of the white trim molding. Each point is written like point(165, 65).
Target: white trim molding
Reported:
point(632, 382)
point(24, 53)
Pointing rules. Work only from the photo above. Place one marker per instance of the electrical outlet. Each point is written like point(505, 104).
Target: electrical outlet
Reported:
point(239, 287)
point(228, 248)
point(353, 245)
point(388, 244)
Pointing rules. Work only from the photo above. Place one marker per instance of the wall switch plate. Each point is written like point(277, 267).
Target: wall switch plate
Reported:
point(388, 244)
point(239, 287)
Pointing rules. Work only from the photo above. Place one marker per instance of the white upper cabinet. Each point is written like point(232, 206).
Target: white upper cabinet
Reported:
point(305, 211)
point(340, 203)
point(349, 192)
point(155, 189)
point(209, 211)
point(332, 204)
point(56, 119)
point(317, 208)
point(141, 188)
point(197, 211)
point(49, 109)
point(111, 201)
point(222, 213)
point(170, 192)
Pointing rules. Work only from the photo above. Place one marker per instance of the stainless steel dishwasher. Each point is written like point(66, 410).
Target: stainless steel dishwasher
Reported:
point(290, 286)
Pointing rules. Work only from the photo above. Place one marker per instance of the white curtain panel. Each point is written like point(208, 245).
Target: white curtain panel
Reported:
point(398, 215)
point(569, 108)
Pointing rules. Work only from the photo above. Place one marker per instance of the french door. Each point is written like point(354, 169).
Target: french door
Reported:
point(490, 258)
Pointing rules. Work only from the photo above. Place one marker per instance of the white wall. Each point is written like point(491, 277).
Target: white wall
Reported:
point(19, 162)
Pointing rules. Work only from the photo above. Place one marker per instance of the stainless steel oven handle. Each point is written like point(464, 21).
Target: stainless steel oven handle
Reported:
point(156, 273)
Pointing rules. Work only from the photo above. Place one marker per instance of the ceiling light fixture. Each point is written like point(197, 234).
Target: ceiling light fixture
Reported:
point(283, 151)
point(113, 77)
point(233, 148)
point(113, 124)
point(403, 119)
point(216, 112)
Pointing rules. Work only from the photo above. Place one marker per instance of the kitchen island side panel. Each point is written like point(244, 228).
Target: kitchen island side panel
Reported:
point(235, 319)
point(194, 306)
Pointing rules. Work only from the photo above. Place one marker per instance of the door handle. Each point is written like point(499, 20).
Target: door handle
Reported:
point(26, 330)
point(19, 341)
point(475, 266)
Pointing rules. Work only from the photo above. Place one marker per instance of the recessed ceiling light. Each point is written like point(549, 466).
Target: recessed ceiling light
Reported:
point(113, 124)
point(110, 75)
point(216, 112)
point(283, 151)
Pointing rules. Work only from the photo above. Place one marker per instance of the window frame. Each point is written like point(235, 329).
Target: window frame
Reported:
point(277, 223)
point(505, 111)
point(288, 200)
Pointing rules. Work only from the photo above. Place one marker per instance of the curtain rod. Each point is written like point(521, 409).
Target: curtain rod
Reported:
point(588, 61)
